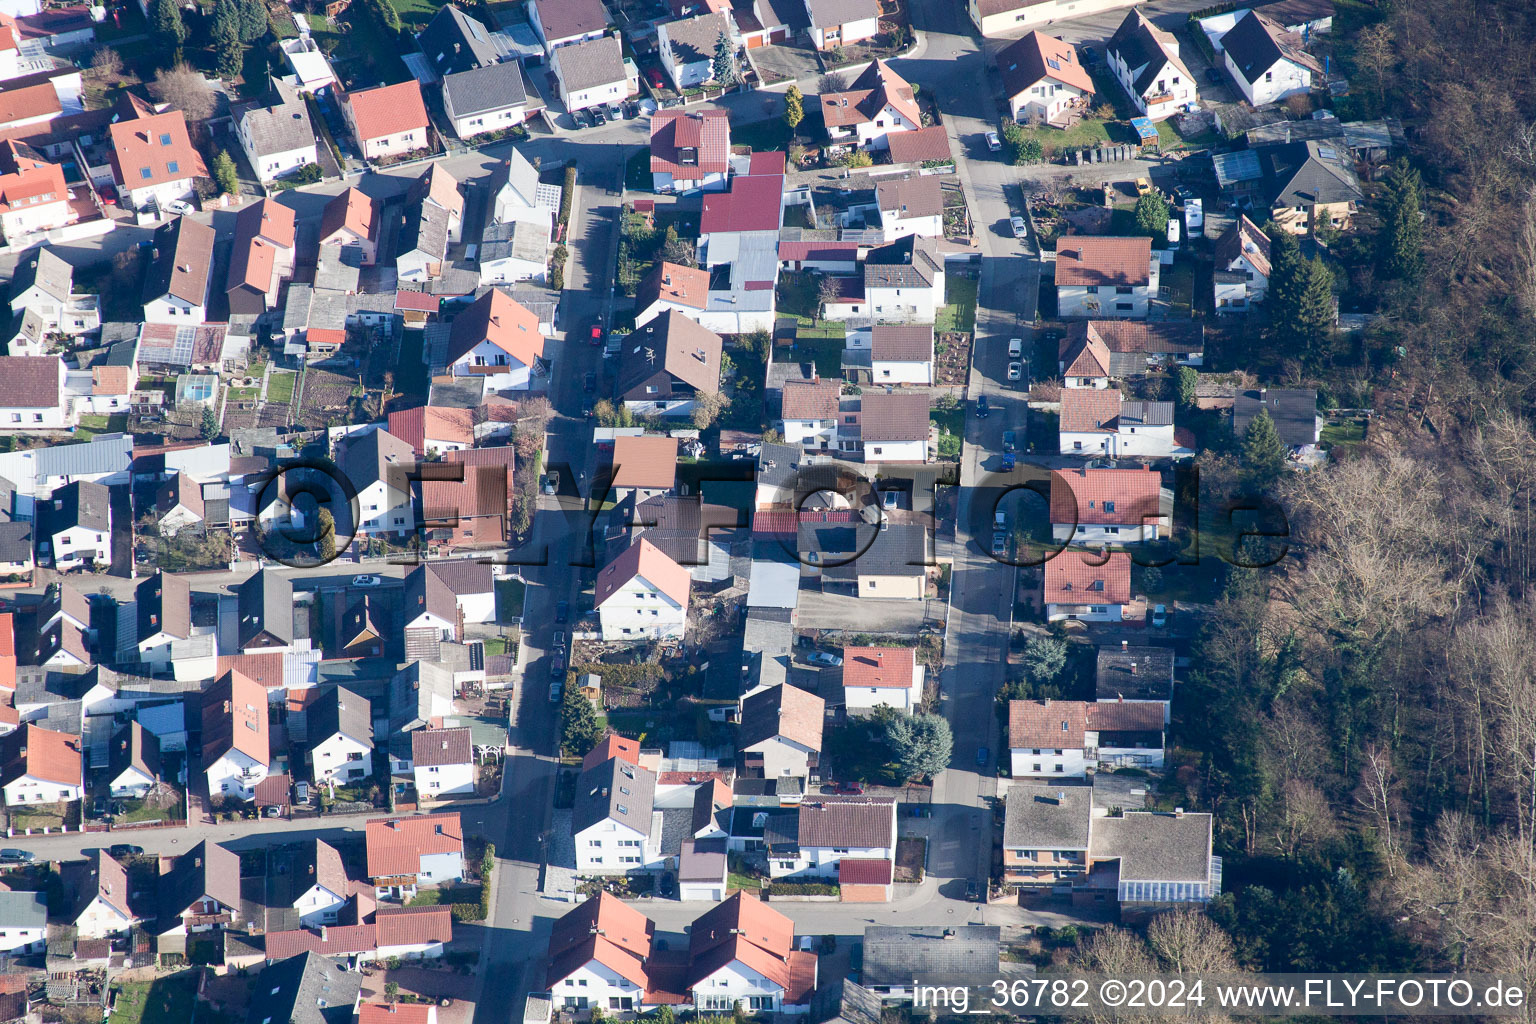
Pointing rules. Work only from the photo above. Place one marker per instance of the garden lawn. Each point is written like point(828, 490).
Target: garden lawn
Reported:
point(92, 425)
point(509, 600)
point(280, 387)
point(959, 310)
point(1179, 279)
point(135, 810)
point(161, 1001)
point(824, 351)
point(1086, 134)
point(770, 134)
point(637, 172)
point(1349, 432)
point(799, 296)
point(735, 881)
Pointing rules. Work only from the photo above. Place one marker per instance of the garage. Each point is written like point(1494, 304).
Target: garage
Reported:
point(701, 870)
point(778, 35)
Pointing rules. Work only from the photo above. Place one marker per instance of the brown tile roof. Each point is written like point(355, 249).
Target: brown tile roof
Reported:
point(782, 711)
point(432, 423)
point(612, 745)
point(563, 19)
point(893, 417)
point(156, 143)
point(438, 186)
point(931, 143)
point(180, 490)
point(851, 871)
point(265, 669)
point(1154, 337)
point(396, 845)
point(441, 746)
point(672, 282)
point(861, 821)
point(915, 196)
point(1061, 724)
point(902, 343)
point(1089, 410)
point(235, 718)
point(807, 400)
point(649, 461)
point(1125, 716)
point(185, 263)
point(353, 211)
point(1072, 578)
point(1100, 260)
point(1105, 497)
point(708, 134)
point(387, 110)
point(1036, 56)
point(30, 382)
point(1086, 356)
point(273, 791)
point(41, 753)
point(650, 563)
point(1244, 238)
point(337, 940)
point(409, 926)
point(112, 380)
point(324, 867)
point(879, 667)
point(29, 101)
point(686, 349)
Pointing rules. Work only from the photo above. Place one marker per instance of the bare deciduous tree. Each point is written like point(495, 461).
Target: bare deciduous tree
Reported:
point(1188, 941)
point(184, 88)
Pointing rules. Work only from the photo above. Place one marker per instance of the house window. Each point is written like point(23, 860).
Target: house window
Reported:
point(1124, 307)
point(1122, 289)
point(1269, 76)
point(1034, 767)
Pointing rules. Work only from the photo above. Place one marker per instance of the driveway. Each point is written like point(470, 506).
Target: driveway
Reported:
point(785, 62)
point(852, 614)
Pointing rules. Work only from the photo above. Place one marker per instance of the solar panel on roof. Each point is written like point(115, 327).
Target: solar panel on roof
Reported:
point(1054, 64)
point(181, 348)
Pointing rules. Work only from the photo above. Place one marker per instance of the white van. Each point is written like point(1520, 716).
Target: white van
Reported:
point(1194, 217)
point(1015, 348)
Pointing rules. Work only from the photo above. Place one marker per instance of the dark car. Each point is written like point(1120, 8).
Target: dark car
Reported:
point(589, 383)
point(982, 407)
point(578, 120)
point(597, 116)
point(1010, 441)
point(557, 665)
point(562, 611)
point(1090, 58)
point(12, 856)
point(973, 892)
point(1213, 76)
point(124, 850)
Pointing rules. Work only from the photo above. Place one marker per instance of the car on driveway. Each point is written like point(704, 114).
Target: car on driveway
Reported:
point(849, 788)
point(1182, 193)
point(993, 142)
point(598, 117)
point(1213, 76)
point(1017, 224)
point(124, 850)
point(589, 383)
point(973, 892)
point(557, 666)
point(982, 754)
point(367, 581)
point(578, 120)
point(826, 658)
point(654, 77)
point(1089, 56)
point(1159, 615)
point(1015, 371)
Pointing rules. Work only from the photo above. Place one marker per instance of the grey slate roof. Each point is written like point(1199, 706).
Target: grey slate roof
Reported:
point(411, 693)
point(23, 910)
point(1155, 846)
point(1308, 173)
point(487, 88)
point(909, 262)
point(424, 228)
point(455, 42)
point(518, 175)
point(521, 239)
point(900, 550)
point(844, 1001)
point(265, 604)
point(305, 989)
point(339, 710)
point(1294, 411)
point(617, 791)
point(279, 123)
point(1151, 414)
point(1143, 45)
point(81, 503)
point(1256, 45)
point(1048, 817)
point(894, 955)
point(1152, 678)
point(107, 453)
point(832, 13)
point(47, 271)
point(15, 542)
point(591, 63)
point(377, 455)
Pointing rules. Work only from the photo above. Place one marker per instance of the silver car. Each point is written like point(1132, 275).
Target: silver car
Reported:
point(1017, 223)
point(1015, 371)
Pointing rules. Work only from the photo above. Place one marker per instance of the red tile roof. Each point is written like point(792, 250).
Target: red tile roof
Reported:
point(1089, 410)
point(156, 143)
point(388, 110)
point(602, 929)
point(7, 651)
point(503, 321)
point(43, 754)
point(931, 143)
point(396, 845)
point(1105, 497)
point(648, 462)
point(413, 926)
point(647, 561)
point(432, 423)
point(1061, 724)
point(30, 101)
point(1101, 260)
point(879, 667)
point(747, 931)
point(818, 250)
point(707, 133)
point(1072, 578)
point(754, 203)
point(805, 400)
point(235, 718)
point(674, 283)
point(613, 745)
point(395, 1013)
point(1038, 56)
point(354, 211)
point(337, 940)
point(27, 178)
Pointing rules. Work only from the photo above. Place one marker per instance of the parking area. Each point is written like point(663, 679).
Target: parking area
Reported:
point(781, 62)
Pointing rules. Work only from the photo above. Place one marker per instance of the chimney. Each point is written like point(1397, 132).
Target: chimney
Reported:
point(394, 823)
point(1133, 668)
point(322, 933)
point(1178, 812)
point(949, 933)
point(1125, 644)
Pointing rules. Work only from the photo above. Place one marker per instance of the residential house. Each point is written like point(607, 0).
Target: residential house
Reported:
point(33, 196)
point(403, 933)
point(611, 820)
point(437, 187)
point(321, 900)
point(1309, 185)
point(40, 766)
point(738, 241)
point(1304, 18)
point(1145, 61)
point(643, 467)
point(690, 152)
point(466, 499)
point(364, 627)
point(912, 205)
point(1099, 276)
point(1076, 588)
point(236, 747)
point(567, 22)
point(306, 989)
point(1267, 62)
point(23, 106)
point(32, 393)
point(876, 677)
point(74, 527)
point(493, 98)
point(422, 244)
point(896, 353)
point(813, 839)
point(891, 567)
point(702, 869)
point(276, 134)
point(163, 605)
point(387, 121)
point(1001, 17)
point(926, 147)
point(430, 608)
point(1242, 266)
point(98, 890)
point(379, 465)
point(1096, 351)
point(312, 72)
point(340, 730)
point(809, 413)
point(1051, 738)
point(742, 951)
point(517, 195)
point(899, 957)
point(878, 104)
point(16, 560)
point(455, 42)
point(686, 48)
point(153, 159)
point(821, 255)
point(178, 505)
point(904, 281)
point(497, 338)
point(1294, 411)
point(265, 612)
point(612, 745)
point(839, 23)
point(1136, 674)
point(894, 427)
point(23, 923)
point(134, 767)
point(351, 220)
point(433, 430)
point(642, 594)
point(780, 732)
point(600, 957)
point(1096, 507)
point(1044, 80)
point(405, 853)
point(1046, 829)
point(514, 251)
point(667, 364)
point(443, 763)
point(1152, 860)
point(671, 286)
point(591, 73)
point(262, 258)
point(199, 891)
point(42, 286)
point(180, 265)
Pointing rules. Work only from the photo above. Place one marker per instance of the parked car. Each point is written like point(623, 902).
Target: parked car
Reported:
point(1182, 194)
point(551, 483)
point(1017, 224)
point(301, 792)
point(1159, 615)
point(982, 407)
point(891, 499)
point(588, 410)
point(557, 641)
point(850, 788)
point(1015, 348)
point(973, 892)
point(272, 811)
point(1090, 57)
point(124, 850)
point(1213, 76)
point(179, 208)
point(982, 756)
point(99, 807)
point(589, 383)
point(557, 666)
point(598, 117)
point(1010, 441)
point(1143, 186)
point(654, 77)
point(367, 581)
point(1015, 371)
point(668, 886)
point(993, 142)
point(10, 856)
point(562, 611)
point(554, 692)
point(615, 112)
point(1010, 460)
point(826, 658)
point(579, 120)
point(999, 544)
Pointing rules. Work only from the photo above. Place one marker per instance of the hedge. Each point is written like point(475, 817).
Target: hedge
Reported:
point(803, 889)
point(469, 911)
